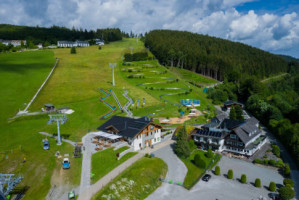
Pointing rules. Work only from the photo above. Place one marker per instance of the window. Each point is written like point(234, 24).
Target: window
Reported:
point(147, 134)
point(155, 140)
point(233, 136)
point(152, 127)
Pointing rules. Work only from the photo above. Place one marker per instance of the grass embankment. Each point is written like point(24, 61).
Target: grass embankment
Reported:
point(165, 86)
point(21, 76)
point(136, 182)
point(105, 161)
point(194, 173)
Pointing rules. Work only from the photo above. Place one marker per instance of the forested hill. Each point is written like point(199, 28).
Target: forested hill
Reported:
point(55, 33)
point(212, 56)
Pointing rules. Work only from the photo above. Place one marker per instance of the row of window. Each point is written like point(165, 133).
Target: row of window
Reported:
point(234, 143)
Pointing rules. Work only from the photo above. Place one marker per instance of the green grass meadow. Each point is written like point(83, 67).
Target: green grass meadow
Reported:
point(105, 161)
point(136, 182)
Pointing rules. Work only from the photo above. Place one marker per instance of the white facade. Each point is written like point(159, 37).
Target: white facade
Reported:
point(141, 141)
point(72, 44)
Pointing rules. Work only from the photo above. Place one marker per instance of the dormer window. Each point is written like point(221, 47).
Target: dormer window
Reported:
point(233, 136)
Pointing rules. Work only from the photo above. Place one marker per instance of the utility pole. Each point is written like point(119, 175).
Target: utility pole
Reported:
point(59, 119)
point(113, 65)
point(131, 50)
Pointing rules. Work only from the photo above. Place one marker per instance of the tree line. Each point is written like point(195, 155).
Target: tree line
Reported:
point(55, 33)
point(212, 56)
point(274, 103)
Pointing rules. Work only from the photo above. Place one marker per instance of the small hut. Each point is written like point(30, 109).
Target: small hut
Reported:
point(49, 107)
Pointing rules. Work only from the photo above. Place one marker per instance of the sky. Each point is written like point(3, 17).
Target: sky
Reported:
point(272, 25)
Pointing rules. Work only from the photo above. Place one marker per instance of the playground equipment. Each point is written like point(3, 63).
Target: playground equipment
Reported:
point(66, 163)
point(102, 99)
point(7, 184)
point(59, 119)
point(190, 102)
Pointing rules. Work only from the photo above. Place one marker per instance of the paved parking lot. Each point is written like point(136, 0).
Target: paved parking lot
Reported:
point(252, 171)
point(220, 187)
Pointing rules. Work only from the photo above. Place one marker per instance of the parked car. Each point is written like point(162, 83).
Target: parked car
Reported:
point(206, 177)
point(66, 163)
point(274, 196)
point(46, 145)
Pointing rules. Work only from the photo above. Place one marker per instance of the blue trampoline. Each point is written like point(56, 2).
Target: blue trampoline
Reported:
point(190, 102)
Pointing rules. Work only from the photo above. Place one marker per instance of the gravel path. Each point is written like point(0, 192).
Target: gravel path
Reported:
point(64, 140)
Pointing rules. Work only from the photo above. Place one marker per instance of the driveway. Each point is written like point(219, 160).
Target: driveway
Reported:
point(176, 172)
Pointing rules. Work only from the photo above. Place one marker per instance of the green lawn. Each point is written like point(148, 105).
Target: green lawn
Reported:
point(194, 172)
point(105, 161)
point(136, 182)
point(164, 85)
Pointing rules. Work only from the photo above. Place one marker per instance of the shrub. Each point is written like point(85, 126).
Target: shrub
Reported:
point(266, 162)
point(272, 162)
point(230, 174)
point(73, 50)
point(272, 187)
point(276, 150)
point(258, 161)
point(217, 170)
point(243, 178)
point(192, 145)
point(199, 162)
point(257, 182)
point(288, 181)
point(100, 47)
point(209, 154)
point(287, 170)
point(279, 163)
point(286, 193)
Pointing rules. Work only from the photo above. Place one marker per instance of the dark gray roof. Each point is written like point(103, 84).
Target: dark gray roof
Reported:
point(128, 127)
point(230, 102)
point(230, 124)
point(244, 131)
point(211, 125)
point(252, 120)
point(209, 133)
point(65, 42)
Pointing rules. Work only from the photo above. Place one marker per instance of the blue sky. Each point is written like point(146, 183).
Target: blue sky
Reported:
point(272, 25)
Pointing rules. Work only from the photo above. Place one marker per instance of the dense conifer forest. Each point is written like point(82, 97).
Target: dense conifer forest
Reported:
point(212, 56)
point(53, 34)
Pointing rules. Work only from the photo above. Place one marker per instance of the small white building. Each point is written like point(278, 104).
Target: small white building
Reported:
point(139, 133)
point(15, 43)
point(100, 41)
point(40, 45)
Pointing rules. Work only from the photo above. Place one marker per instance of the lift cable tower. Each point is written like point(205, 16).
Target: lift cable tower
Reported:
point(131, 50)
point(8, 183)
point(113, 65)
point(59, 119)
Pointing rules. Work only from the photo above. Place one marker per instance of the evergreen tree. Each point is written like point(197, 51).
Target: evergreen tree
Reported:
point(182, 147)
point(73, 50)
point(232, 113)
point(239, 112)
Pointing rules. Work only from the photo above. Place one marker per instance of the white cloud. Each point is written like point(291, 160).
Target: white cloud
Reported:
point(214, 17)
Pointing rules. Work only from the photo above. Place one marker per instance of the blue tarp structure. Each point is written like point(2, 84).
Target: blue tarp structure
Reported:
point(190, 102)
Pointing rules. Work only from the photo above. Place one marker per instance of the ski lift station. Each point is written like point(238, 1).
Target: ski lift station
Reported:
point(190, 102)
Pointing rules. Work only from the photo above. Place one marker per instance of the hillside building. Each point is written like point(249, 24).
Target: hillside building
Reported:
point(77, 43)
point(15, 43)
point(240, 137)
point(139, 133)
